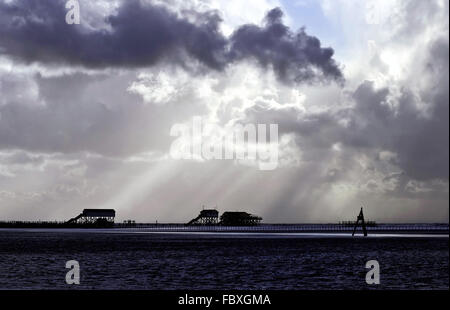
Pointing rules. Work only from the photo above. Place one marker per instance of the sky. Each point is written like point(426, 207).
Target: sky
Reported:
point(358, 89)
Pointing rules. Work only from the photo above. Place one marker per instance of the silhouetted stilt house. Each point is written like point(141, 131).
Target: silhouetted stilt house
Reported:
point(98, 217)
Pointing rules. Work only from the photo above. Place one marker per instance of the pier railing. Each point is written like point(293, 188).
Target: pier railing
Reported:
point(342, 227)
point(281, 228)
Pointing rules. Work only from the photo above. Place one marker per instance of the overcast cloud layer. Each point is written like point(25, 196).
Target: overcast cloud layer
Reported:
point(86, 110)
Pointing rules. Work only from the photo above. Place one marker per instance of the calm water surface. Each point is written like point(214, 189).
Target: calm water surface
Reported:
point(36, 260)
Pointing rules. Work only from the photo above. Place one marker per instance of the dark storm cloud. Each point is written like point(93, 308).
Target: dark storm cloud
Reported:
point(421, 143)
point(140, 36)
point(294, 56)
point(143, 35)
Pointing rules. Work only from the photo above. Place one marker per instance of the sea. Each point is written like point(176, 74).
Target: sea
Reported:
point(119, 259)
